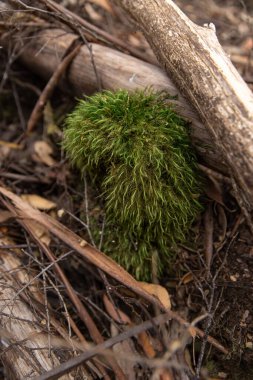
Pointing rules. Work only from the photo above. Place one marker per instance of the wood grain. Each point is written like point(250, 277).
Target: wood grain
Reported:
point(197, 64)
point(46, 47)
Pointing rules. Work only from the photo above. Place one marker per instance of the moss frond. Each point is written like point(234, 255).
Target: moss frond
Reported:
point(147, 172)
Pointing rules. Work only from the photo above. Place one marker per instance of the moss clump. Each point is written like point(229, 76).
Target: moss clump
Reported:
point(147, 173)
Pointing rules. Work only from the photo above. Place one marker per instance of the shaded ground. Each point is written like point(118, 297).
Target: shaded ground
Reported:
point(226, 293)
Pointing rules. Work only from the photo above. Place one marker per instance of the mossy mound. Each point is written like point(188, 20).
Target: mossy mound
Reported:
point(140, 149)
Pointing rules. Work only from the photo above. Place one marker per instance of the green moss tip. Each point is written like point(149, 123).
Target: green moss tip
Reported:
point(140, 150)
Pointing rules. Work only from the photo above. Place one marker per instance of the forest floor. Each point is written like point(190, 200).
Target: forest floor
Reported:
point(36, 165)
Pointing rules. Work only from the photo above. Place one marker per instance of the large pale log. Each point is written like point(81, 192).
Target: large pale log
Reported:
point(115, 70)
point(194, 59)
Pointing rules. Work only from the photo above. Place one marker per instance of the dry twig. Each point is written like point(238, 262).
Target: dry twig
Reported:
point(83, 313)
point(208, 222)
point(46, 93)
point(25, 211)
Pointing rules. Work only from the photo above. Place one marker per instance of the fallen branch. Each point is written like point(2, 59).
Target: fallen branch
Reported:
point(48, 90)
point(64, 368)
point(43, 54)
point(196, 62)
point(81, 310)
point(24, 211)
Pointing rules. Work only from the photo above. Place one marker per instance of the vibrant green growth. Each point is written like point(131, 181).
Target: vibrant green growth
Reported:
point(147, 173)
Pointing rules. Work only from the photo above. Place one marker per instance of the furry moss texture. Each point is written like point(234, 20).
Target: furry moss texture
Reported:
point(140, 150)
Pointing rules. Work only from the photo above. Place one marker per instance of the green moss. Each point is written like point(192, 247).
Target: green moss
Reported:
point(140, 151)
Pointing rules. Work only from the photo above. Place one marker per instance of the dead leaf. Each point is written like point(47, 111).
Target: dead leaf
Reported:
point(43, 153)
point(41, 233)
point(38, 202)
point(159, 291)
point(188, 277)
point(49, 123)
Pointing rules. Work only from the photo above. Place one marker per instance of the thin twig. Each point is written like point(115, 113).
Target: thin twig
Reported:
point(72, 17)
point(108, 287)
point(18, 105)
point(83, 313)
point(47, 313)
point(208, 239)
point(46, 93)
point(87, 210)
point(72, 363)
point(213, 173)
point(86, 345)
point(24, 211)
point(89, 47)
point(10, 301)
point(25, 178)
